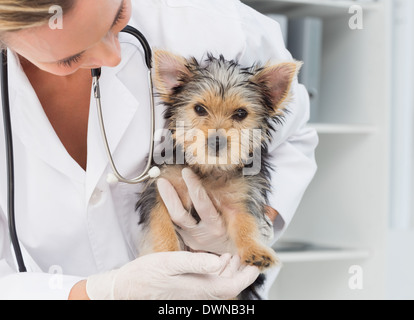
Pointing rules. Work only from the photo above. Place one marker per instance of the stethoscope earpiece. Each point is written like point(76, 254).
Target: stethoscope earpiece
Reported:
point(96, 73)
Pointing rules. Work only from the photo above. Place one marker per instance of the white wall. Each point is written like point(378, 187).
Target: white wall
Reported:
point(400, 275)
point(402, 115)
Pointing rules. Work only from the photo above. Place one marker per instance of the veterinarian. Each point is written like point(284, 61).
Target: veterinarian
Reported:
point(78, 232)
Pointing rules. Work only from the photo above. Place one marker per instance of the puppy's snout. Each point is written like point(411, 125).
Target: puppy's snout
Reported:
point(216, 143)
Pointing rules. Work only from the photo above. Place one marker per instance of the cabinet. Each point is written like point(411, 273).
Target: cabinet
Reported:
point(338, 236)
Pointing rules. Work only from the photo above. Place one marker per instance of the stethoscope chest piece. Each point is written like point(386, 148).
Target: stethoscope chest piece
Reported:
point(113, 180)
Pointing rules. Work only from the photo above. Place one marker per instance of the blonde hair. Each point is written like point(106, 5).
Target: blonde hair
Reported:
point(17, 15)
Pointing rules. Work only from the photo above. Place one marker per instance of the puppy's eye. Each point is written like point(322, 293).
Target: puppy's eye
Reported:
point(200, 110)
point(240, 115)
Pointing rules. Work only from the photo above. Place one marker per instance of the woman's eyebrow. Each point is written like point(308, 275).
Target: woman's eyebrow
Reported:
point(118, 13)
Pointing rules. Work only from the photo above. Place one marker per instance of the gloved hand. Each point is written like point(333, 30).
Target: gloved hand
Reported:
point(210, 234)
point(174, 276)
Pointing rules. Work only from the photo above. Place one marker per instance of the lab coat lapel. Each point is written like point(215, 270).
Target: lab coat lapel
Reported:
point(32, 126)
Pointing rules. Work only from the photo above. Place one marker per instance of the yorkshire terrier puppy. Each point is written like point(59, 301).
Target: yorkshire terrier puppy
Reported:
point(232, 112)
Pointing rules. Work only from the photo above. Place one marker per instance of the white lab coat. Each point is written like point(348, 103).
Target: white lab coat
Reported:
point(72, 223)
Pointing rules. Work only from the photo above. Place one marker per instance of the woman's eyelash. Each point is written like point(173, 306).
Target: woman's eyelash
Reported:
point(121, 15)
point(75, 59)
point(69, 62)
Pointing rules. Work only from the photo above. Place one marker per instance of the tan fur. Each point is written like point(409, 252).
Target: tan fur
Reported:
point(229, 197)
point(242, 228)
point(220, 118)
point(162, 230)
point(290, 70)
point(173, 62)
point(232, 194)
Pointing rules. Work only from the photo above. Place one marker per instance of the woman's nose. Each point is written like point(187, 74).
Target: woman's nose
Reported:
point(108, 52)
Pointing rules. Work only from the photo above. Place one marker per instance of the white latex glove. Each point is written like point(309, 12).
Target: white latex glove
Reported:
point(210, 234)
point(174, 276)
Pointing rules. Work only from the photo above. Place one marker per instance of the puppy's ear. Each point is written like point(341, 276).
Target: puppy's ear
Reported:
point(276, 81)
point(170, 71)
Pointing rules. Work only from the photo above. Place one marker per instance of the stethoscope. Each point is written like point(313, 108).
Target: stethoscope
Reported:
point(147, 173)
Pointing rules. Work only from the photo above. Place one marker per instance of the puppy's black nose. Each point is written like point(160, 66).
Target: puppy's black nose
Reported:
point(219, 143)
point(216, 143)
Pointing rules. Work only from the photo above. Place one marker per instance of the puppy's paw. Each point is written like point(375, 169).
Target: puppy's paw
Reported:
point(260, 257)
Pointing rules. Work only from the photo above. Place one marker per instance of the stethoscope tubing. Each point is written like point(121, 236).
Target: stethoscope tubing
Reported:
point(10, 163)
point(9, 138)
point(148, 172)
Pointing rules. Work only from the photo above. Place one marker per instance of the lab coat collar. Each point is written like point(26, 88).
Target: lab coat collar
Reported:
point(32, 126)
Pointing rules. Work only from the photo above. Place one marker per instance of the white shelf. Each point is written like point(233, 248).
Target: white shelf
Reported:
point(291, 251)
point(347, 202)
point(322, 255)
point(329, 128)
point(319, 8)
